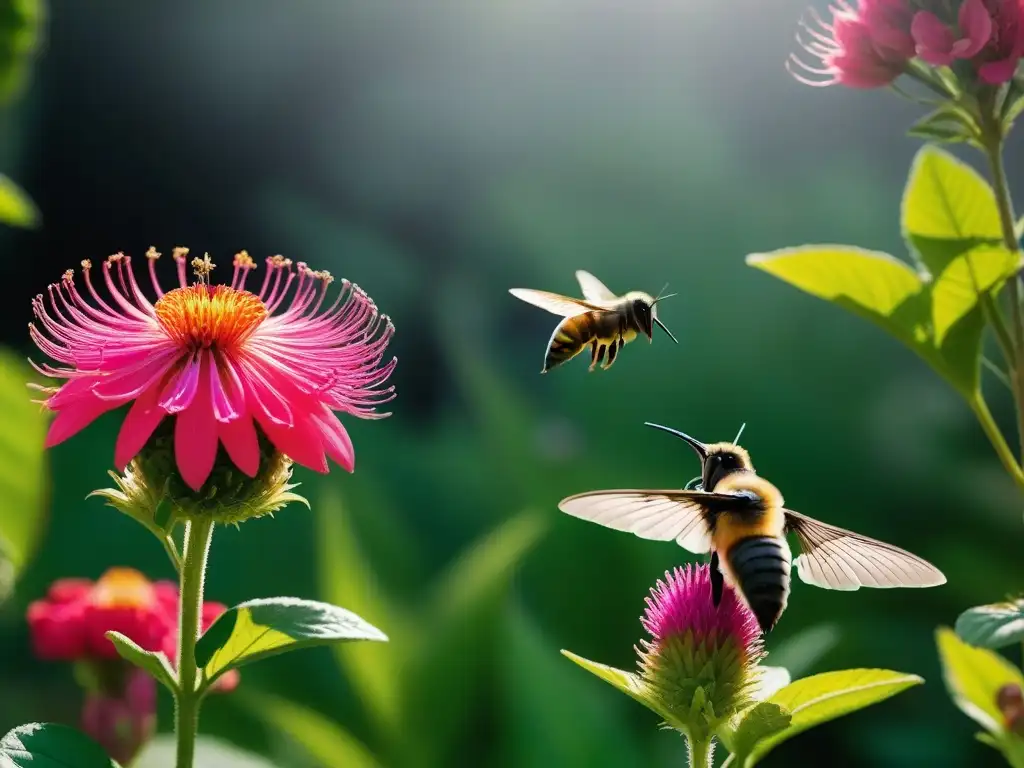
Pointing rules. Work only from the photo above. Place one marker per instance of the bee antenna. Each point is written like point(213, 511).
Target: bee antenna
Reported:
point(740, 433)
point(662, 295)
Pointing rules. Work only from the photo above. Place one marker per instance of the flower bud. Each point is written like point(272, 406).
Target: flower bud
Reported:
point(122, 722)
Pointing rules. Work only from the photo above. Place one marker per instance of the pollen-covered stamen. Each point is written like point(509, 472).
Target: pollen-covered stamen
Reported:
point(243, 263)
point(204, 316)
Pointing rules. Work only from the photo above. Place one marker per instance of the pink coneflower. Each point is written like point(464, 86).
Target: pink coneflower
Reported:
point(695, 644)
point(867, 46)
point(224, 360)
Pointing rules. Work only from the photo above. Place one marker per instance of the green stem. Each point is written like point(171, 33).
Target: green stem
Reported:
point(198, 534)
point(1003, 450)
point(701, 751)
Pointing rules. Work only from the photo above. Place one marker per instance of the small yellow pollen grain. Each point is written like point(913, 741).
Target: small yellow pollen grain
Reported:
point(243, 259)
point(203, 267)
point(180, 253)
point(69, 275)
point(153, 254)
point(115, 257)
point(86, 264)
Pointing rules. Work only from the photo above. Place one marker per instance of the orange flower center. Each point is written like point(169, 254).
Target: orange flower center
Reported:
point(210, 315)
point(122, 588)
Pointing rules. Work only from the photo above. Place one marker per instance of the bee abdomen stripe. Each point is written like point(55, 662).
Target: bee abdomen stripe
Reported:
point(761, 566)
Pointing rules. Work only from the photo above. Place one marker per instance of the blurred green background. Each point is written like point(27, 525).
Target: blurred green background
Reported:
point(438, 153)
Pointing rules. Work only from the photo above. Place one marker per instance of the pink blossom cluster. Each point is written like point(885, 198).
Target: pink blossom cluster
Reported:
point(870, 45)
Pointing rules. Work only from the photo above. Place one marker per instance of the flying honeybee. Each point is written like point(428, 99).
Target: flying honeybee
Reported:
point(600, 319)
point(741, 519)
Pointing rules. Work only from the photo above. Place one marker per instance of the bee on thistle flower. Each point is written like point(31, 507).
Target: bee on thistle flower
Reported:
point(244, 372)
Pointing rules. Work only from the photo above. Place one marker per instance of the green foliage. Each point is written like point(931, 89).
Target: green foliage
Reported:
point(155, 663)
point(764, 720)
point(973, 677)
point(16, 207)
point(22, 467)
point(319, 737)
point(210, 753)
point(21, 28)
point(949, 123)
point(47, 745)
point(992, 626)
point(820, 698)
point(256, 629)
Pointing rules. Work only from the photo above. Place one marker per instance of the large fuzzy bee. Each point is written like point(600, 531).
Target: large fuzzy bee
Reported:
point(740, 518)
point(601, 319)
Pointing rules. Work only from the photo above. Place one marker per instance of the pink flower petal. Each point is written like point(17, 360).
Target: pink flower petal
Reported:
point(228, 398)
point(74, 418)
point(975, 27)
point(241, 443)
point(933, 38)
point(997, 72)
point(336, 440)
point(143, 418)
point(195, 434)
point(300, 443)
point(182, 388)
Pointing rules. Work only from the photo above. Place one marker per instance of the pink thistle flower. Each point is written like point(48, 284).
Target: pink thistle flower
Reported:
point(697, 645)
point(938, 44)
point(122, 722)
point(867, 47)
point(224, 360)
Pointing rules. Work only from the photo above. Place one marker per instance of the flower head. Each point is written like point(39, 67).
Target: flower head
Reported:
point(70, 623)
point(863, 47)
point(988, 33)
point(124, 721)
point(229, 364)
point(699, 651)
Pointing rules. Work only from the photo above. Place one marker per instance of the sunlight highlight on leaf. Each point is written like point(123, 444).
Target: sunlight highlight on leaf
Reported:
point(992, 626)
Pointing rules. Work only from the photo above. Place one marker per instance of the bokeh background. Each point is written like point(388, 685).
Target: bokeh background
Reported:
point(438, 153)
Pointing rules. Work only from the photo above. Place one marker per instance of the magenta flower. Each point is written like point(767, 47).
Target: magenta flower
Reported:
point(865, 47)
point(938, 44)
point(123, 721)
point(695, 644)
point(227, 362)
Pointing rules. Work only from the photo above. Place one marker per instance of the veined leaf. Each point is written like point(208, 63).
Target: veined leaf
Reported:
point(820, 698)
point(155, 663)
point(992, 626)
point(46, 745)
point(257, 629)
point(974, 677)
point(946, 199)
point(325, 741)
point(761, 721)
point(957, 289)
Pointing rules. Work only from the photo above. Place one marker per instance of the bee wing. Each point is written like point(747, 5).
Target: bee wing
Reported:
point(656, 515)
point(563, 306)
point(593, 289)
point(834, 558)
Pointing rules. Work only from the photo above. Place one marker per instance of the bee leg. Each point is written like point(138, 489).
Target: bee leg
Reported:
point(599, 357)
point(593, 356)
point(613, 350)
point(717, 581)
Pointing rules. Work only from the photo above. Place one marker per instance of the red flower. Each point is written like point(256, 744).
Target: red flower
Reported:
point(223, 360)
point(122, 723)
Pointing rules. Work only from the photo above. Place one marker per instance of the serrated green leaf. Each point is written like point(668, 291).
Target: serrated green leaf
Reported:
point(973, 677)
point(257, 629)
point(161, 752)
point(992, 626)
point(47, 745)
point(629, 683)
point(22, 463)
point(155, 663)
point(325, 741)
point(820, 698)
point(946, 199)
point(764, 719)
point(347, 579)
point(957, 289)
point(16, 207)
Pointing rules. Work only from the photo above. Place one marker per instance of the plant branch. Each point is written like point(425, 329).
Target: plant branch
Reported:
point(700, 750)
point(198, 534)
point(1005, 453)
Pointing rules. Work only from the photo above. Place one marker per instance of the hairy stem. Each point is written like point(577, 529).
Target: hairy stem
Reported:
point(701, 751)
point(198, 534)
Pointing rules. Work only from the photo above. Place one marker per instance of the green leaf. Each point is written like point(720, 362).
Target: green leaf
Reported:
point(16, 207)
point(630, 684)
point(1013, 104)
point(22, 464)
point(992, 626)
point(948, 123)
point(973, 677)
point(770, 680)
point(820, 698)
point(46, 745)
point(946, 199)
point(464, 611)
point(21, 23)
point(155, 663)
point(347, 578)
point(758, 723)
point(956, 290)
point(257, 629)
point(161, 752)
point(325, 741)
